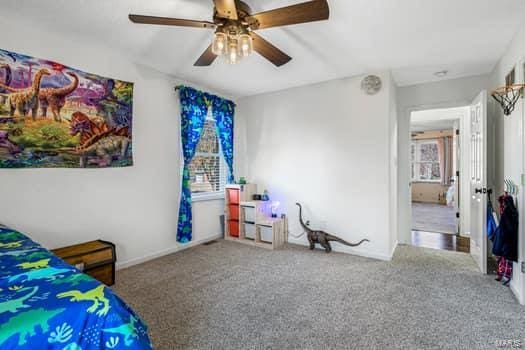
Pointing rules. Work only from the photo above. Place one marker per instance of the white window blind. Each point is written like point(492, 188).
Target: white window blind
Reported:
point(424, 158)
point(208, 168)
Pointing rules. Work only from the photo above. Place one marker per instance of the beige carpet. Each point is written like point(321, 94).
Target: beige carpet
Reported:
point(230, 296)
point(432, 217)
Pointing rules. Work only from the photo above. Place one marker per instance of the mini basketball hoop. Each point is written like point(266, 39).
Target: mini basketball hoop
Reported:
point(508, 96)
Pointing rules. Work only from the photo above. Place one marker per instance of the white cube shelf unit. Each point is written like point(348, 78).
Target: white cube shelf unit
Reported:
point(249, 221)
point(234, 195)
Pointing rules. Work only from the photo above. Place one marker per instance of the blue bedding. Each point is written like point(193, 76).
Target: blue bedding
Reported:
point(47, 304)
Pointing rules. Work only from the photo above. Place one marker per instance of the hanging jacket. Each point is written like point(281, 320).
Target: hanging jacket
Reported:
point(492, 226)
point(492, 223)
point(506, 236)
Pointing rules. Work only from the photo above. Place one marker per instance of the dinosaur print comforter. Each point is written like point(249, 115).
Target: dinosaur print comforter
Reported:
point(48, 304)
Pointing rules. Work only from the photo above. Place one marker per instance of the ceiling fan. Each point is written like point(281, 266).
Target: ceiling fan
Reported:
point(235, 27)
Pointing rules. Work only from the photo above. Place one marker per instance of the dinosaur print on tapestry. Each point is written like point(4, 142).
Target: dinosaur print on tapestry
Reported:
point(54, 116)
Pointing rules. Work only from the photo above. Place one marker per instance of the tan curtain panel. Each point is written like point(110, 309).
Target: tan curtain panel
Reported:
point(445, 159)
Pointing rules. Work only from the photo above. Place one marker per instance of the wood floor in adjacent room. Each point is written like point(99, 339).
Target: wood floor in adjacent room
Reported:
point(431, 217)
point(444, 241)
point(231, 296)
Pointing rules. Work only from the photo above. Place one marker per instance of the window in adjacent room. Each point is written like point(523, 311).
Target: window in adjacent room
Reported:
point(425, 161)
point(208, 168)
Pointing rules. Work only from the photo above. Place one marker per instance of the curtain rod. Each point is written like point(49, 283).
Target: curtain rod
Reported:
point(177, 88)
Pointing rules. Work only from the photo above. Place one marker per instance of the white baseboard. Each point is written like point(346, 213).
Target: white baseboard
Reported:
point(517, 294)
point(348, 250)
point(177, 248)
point(396, 243)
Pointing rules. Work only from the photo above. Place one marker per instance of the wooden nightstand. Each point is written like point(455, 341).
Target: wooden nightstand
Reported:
point(95, 258)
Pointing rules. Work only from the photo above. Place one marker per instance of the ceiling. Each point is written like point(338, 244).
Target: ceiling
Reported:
point(432, 125)
point(413, 38)
point(437, 119)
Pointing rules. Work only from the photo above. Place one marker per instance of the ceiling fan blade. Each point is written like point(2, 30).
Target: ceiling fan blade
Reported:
point(170, 21)
point(268, 51)
point(226, 9)
point(310, 11)
point(206, 58)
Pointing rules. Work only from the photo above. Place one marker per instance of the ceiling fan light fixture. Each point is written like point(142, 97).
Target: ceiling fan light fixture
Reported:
point(220, 42)
point(233, 52)
point(235, 28)
point(246, 44)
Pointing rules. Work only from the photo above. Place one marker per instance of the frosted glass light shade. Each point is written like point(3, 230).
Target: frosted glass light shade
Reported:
point(220, 42)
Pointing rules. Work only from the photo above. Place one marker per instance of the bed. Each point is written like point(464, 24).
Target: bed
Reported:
point(47, 304)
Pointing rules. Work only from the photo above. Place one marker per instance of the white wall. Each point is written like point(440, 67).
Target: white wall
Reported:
point(135, 207)
point(448, 93)
point(393, 124)
point(510, 133)
point(327, 146)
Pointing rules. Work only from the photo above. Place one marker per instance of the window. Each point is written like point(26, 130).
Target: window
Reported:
point(208, 168)
point(424, 158)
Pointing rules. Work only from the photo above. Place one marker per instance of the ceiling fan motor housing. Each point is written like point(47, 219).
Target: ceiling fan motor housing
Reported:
point(232, 26)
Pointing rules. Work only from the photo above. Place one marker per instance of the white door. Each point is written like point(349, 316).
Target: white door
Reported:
point(478, 180)
point(455, 171)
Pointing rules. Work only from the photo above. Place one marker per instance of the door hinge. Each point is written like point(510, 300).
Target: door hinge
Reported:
point(457, 173)
point(457, 214)
point(523, 267)
point(457, 131)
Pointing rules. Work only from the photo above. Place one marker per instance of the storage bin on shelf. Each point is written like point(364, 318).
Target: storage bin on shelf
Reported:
point(234, 194)
point(233, 228)
point(249, 231)
point(249, 213)
point(234, 212)
point(266, 233)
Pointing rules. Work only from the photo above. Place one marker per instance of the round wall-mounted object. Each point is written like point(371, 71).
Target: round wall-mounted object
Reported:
point(371, 84)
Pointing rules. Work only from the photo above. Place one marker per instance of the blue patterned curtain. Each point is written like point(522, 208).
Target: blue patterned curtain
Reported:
point(223, 111)
point(193, 115)
point(194, 108)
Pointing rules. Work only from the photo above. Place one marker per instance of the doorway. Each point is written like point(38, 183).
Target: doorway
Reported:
point(435, 168)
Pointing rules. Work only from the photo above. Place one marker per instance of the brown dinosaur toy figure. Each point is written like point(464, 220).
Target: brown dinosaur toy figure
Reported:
point(55, 98)
point(25, 100)
point(321, 237)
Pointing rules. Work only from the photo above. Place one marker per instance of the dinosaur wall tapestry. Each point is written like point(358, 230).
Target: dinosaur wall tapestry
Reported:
point(54, 116)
